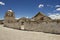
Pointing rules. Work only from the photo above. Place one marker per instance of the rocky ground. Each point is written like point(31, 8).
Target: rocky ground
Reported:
point(13, 34)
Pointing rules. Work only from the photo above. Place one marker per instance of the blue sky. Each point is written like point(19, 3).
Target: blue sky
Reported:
point(29, 8)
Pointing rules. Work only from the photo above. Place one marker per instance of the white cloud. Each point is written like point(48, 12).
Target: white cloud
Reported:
point(58, 9)
point(1, 3)
point(27, 17)
point(17, 18)
point(1, 18)
point(57, 6)
point(55, 16)
point(41, 5)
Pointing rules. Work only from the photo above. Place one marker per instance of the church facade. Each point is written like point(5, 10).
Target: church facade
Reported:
point(39, 22)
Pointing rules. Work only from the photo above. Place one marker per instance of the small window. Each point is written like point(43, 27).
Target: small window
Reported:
point(41, 18)
point(22, 23)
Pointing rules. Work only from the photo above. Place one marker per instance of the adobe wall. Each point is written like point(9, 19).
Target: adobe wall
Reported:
point(51, 27)
point(12, 25)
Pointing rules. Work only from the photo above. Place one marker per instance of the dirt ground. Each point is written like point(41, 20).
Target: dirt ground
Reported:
point(13, 34)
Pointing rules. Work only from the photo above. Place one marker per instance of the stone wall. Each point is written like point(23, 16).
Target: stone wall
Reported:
point(51, 27)
point(12, 25)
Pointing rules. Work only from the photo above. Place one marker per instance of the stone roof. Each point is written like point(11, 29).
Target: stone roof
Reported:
point(23, 18)
point(39, 13)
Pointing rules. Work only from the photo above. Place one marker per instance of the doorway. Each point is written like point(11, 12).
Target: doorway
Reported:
point(22, 25)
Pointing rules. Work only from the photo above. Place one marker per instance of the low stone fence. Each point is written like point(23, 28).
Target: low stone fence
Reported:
point(12, 25)
point(51, 27)
point(44, 27)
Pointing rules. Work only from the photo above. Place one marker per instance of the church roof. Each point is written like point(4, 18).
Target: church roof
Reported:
point(39, 13)
point(23, 18)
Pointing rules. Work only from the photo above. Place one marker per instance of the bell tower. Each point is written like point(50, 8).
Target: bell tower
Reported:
point(9, 17)
point(9, 13)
